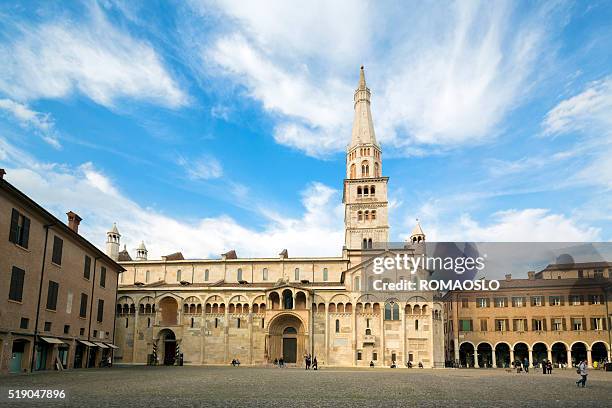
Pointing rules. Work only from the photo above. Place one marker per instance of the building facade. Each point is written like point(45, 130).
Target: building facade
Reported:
point(257, 310)
point(561, 314)
point(58, 290)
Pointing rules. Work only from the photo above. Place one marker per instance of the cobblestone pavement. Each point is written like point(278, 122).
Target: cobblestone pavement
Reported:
point(270, 387)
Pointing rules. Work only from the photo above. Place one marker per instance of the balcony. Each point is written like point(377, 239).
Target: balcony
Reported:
point(369, 339)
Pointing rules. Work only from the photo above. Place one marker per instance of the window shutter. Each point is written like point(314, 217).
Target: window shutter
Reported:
point(83, 311)
point(16, 289)
point(87, 268)
point(100, 310)
point(25, 233)
point(14, 226)
point(58, 243)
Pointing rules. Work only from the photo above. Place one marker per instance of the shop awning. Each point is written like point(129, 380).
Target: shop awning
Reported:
point(87, 343)
point(52, 340)
point(111, 345)
point(101, 345)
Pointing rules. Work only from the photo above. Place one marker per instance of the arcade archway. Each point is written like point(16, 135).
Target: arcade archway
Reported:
point(166, 346)
point(286, 338)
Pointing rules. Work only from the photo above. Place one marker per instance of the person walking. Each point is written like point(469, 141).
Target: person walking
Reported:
point(544, 366)
point(315, 363)
point(526, 365)
point(582, 370)
point(549, 366)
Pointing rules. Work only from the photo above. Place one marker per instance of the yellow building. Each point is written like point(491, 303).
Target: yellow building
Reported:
point(561, 314)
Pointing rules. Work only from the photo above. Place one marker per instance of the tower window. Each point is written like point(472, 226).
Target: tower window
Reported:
point(239, 275)
point(359, 192)
point(178, 275)
point(373, 215)
point(366, 215)
point(147, 276)
point(359, 215)
point(206, 275)
point(325, 274)
point(297, 274)
point(366, 191)
point(337, 326)
point(370, 243)
point(372, 190)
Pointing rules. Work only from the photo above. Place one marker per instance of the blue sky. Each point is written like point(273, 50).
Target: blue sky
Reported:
point(203, 126)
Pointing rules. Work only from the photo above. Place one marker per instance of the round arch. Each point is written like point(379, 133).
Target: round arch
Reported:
point(558, 351)
point(466, 354)
point(502, 354)
point(485, 354)
point(539, 352)
point(599, 351)
point(287, 338)
point(578, 351)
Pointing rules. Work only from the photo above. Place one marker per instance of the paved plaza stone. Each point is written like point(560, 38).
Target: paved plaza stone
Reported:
point(350, 387)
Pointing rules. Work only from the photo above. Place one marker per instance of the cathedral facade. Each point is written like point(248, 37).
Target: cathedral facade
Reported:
point(257, 310)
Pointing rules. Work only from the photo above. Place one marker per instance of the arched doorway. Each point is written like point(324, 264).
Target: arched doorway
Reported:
point(521, 352)
point(502, 355)
point(466, 355)
point(286, 338)
point(579, 352)
point(485, 355)
point(166, 346)
point(300, 300)
point(559, 353)
point(599, 352)
point(540, 353)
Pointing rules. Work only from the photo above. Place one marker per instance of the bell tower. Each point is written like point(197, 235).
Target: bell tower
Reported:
point(366, 223)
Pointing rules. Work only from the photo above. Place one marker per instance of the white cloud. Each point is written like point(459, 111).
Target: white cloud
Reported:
point(589, 116)
point(56, 59)
point(89, 192)
point(203, 168)
point(41, 122)
point(588, 111)
point(526, 225)
point(450, 78)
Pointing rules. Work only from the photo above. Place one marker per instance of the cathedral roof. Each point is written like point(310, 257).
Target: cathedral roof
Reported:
point(124, 255)
point(363, 126)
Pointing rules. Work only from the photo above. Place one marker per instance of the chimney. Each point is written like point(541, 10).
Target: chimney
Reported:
point(508, 276)
point(531, 275)
point(2, 173)
point(73, 221)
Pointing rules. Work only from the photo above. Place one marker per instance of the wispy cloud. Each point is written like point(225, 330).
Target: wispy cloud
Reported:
point(56, 59)
point(42, 123)
point(440, 85)
point(89, 192)
point(203, 168)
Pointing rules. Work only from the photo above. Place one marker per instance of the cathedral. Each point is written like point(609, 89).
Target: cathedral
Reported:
point(258, 310)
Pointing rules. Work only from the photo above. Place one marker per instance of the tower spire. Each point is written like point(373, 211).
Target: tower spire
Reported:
point(363, 126)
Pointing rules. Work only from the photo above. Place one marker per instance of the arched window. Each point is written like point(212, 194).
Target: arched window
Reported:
point(297, 274)
point(365, 169)
point(206, 275)
point(178, 275)
point(357, 283)
point(353, 171)
point(359, 215)
point(238, 323)
point(264, 274)
point(376, 170)
point(370, 243)
point(148, 322)
point(147, 276)
point(373, 215)
point(239, 274)
point(359, 192)
point(391, 311)
point(192, 321)
point(337, 326)
point(325, 274)
point(372, 190)
point(366, 191)
point(416, 324)
point(287, 300)
point(364, 244)
point(366, 215)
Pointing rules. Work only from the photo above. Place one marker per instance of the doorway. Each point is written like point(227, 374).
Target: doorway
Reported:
point(17, 356)
point(290, 345)
point(168, 340)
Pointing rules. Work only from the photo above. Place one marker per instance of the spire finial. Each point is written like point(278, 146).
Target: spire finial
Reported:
point(362, 82)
